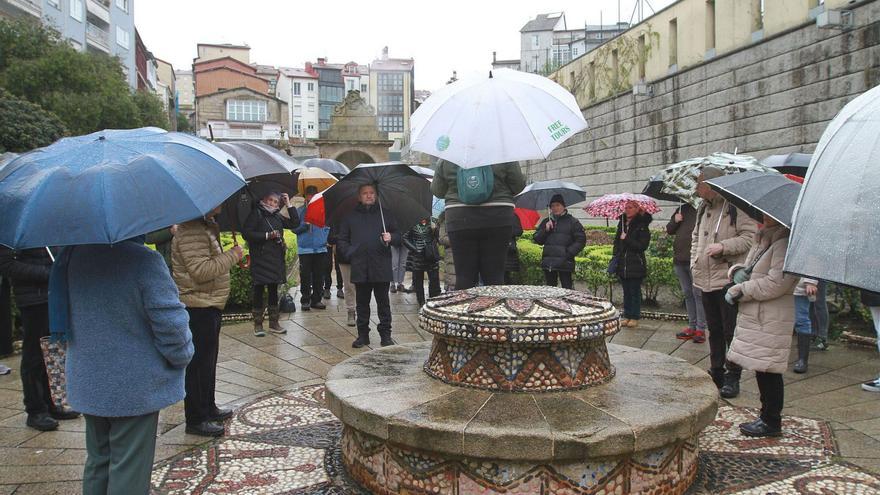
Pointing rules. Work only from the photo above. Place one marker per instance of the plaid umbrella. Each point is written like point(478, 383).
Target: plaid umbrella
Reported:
point(613, 205)
point(680, 179)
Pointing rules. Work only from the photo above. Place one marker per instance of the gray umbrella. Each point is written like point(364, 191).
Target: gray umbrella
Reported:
point(332, 167)
point(759, 194)
point(265, 168)
point(536, 196)
point(837, 220)
point(792, 163)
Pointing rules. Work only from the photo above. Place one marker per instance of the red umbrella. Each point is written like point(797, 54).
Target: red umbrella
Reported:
point(527, 218)
point(315, 213)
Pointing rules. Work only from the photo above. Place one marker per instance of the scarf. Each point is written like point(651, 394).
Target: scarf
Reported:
point(268, 208)
point(554, 218)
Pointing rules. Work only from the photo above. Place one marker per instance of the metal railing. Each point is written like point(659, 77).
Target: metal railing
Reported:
point(98, 35)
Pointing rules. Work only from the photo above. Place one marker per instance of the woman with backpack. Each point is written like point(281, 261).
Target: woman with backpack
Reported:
point(479, 205)
point(424, 256)
point(563, 237)
point(630, 243)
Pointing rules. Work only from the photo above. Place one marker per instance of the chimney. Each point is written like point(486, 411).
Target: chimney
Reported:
point(308, 67)
point(322, 60)
point(385, 53)
point(494, 57)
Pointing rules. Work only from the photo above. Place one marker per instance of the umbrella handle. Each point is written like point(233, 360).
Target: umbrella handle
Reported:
point(245, 261)
point(382, 214)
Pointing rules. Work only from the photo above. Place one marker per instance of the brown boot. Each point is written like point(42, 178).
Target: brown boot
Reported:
point(258, 323)
point(274, 326)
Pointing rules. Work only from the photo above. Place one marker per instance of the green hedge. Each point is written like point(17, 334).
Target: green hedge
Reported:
point(240, 279)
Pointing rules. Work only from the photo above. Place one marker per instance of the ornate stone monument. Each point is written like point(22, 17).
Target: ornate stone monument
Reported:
point(519, 393)
point(354, 136)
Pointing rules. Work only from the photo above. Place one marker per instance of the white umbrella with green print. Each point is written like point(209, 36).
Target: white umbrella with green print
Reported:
point(506, 116)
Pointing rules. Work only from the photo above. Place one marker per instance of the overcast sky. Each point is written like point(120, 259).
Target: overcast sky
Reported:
point(442, 36)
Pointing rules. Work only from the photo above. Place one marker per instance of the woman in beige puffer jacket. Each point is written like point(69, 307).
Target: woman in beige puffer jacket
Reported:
point(763, 327)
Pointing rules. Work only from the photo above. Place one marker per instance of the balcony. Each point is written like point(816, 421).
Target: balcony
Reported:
point(98, 37)
point(100, 9)
point(19, 7)
point(222, 132)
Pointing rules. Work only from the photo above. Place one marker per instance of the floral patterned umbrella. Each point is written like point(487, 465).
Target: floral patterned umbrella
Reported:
point(680, 179)
point(612, 205)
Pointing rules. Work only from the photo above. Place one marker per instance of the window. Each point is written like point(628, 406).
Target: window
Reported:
point(296, 89)
point(391, 81)
point(391, 123)
point(363, 88)
point(710, 24)
point(122, 4)
point(311, 86)
point(325, 111)
point(536, 42)
point(574, 52)
point(330, 93)
point(297, 108)
point(76, 9)
point(673, 42)
point(390, 104)
point(350, 85)
point(311, 106)
point(324, 126)
point(122, 38)
point(297, 129)
point(311, 126)
point(246, 110)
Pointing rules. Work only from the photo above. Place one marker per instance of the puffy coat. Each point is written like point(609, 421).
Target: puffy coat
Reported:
point(511, 264)
point(267, 256)
point(630, 252)
point(28, 271)
point(736, 235)
point(360, 242)
point(416, 240)
point(683, 232)
point(200, 266)
point(561, 244)
point(766, 310)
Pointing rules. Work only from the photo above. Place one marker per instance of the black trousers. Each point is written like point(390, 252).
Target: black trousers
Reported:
point(201, 372)
point(632, 298)
point(34, 379)
point(258, 295)
point(772, 391)
point(364, 292)
point(480, 255)
point(332, 264)
point(5, 318)
point(312, 271)
point(418, 280)
point(721, 323)
point(552, 276)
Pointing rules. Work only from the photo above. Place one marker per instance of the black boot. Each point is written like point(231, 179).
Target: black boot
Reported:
point(362, 340)
point(717, 375)
point(386, 339)
point(730, 389)
point(803, 343)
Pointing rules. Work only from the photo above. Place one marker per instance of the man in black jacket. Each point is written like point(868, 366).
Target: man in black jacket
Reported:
point(29, 272)
point(365, 241)
point(563, 237)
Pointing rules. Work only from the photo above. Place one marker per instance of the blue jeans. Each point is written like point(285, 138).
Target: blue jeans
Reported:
point(632, 298)
point(802, 323)
point(819, 311)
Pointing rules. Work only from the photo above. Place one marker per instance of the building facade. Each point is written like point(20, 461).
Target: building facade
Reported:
point(392, 94)
point(241, 114)
point(100, 26)
point(331, 90)
point(186, 95)
point(357, 78)
point(211, 51)
point(166, 89)
point(546, 43)
point(219, 74)
point(299, 88)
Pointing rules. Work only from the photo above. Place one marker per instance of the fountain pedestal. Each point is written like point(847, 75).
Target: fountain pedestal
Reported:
point(517, 394)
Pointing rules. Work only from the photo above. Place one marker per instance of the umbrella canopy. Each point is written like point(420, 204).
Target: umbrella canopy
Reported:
point(423, 171)
point(315, 213)
point(505, 117)
point(792, 163)
point(332, 167)
point(613, 205)
point(266, 169)
point(310, 176)
point(760, 194)
point(6, 158)
point(654, 189)
point(111, 185)
point(837, 219)
point(536, 196)
point(527, 218)
point(680, 179)
point(401, 191)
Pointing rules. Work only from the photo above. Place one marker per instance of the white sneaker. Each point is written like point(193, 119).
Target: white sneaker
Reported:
point(872, 386)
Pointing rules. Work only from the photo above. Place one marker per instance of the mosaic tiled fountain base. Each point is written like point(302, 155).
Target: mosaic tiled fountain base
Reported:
point(289, 443)
point(517, 394)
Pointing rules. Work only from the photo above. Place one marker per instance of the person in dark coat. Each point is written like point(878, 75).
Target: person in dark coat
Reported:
point(563, 237)
point(871, 300)
point(418, 240)
point(511, 264)
point(366, 243)
point(264, 232)
point(681, 225)
point(630, 243)
point(5, 318)
point(28, 270)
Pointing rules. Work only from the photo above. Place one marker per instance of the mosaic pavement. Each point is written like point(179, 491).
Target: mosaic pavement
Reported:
point(289, 443)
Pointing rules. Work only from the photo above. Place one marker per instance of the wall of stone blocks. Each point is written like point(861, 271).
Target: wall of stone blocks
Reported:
point(772, 97)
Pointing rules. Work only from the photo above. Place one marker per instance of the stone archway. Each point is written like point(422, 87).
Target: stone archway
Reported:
point(353, 158)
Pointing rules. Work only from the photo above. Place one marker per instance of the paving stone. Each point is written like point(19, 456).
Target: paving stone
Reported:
point(313, 365)
point(34, 474)
point(57, 439)
point(20, 456)
point(63, 488)
point(13, 437)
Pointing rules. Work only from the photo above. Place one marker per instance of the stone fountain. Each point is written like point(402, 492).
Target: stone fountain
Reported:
point(519, 394)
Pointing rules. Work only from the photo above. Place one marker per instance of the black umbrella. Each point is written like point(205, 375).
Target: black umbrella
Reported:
point(792, 163)
point(759, 194)
point(402, 191)
point(333, 167)
point(654, 189)
point(537, 196)
point(265, 168)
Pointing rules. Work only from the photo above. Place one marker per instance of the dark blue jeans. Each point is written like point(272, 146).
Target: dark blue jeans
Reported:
point(632, 298)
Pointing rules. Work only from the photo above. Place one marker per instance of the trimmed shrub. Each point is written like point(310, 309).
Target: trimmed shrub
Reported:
point(240, 278)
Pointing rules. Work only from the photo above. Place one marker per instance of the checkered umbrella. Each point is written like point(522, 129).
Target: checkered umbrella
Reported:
point(680, 179)
point(613, 205)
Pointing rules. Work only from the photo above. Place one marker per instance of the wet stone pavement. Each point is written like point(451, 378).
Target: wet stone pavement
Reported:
point(284, 440)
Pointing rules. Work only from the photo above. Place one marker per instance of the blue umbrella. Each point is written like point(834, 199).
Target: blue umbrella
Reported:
point(111, 185)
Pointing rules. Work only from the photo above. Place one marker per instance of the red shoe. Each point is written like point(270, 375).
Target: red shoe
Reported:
point(686, 334)
point(699, 337)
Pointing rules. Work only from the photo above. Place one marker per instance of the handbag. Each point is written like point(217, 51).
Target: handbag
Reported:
point(55, 357)
point(287, 304)
point(612, 265)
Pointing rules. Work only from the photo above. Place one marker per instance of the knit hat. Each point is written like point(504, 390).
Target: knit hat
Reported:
point(557, 198)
